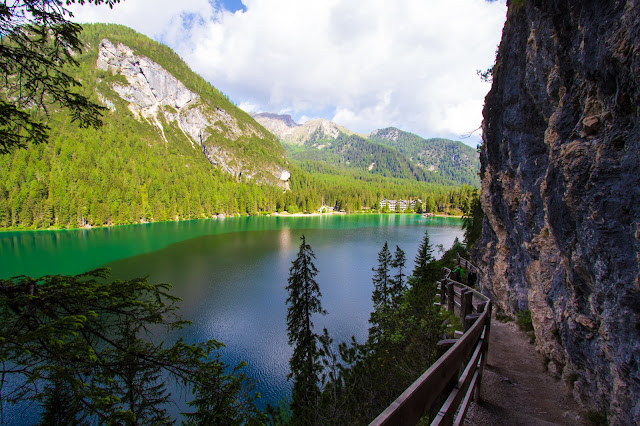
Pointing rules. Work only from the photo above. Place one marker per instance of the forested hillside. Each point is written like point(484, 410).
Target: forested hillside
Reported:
point(164, 161)
point(355, 152)
point(451, 159)
point(388, 152)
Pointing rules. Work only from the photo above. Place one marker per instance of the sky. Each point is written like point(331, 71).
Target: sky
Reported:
point(365, 65)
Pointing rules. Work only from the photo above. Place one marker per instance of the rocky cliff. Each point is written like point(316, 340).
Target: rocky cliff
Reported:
point(157, 96)
point(561, 191)
point(290, 132)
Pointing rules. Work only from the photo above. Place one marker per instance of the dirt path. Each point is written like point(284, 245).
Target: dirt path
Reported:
point(516, 389)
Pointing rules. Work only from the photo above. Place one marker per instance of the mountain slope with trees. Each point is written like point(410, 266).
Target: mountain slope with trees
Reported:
point(156, 161)
point(388, 152)
point(451, 159)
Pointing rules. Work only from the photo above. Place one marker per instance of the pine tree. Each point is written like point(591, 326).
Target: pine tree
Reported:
point(38, 49)
point(422, 296)
point(75, 345)
point(422, 260)
point(381, 295)
point(304, 301)
point(382, 278)
point(397, 281)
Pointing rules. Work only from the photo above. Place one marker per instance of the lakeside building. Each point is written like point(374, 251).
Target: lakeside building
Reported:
point(327, 209)
point(402, 204)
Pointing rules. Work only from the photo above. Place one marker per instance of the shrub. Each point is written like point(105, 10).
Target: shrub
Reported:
point(524, 321)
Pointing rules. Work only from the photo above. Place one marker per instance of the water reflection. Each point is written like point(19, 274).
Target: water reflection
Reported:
point(232, 274)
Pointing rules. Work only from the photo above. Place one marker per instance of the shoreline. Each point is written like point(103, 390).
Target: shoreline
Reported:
point(218, 217)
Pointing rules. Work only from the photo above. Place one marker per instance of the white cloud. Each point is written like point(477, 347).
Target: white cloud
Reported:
point(366, 65)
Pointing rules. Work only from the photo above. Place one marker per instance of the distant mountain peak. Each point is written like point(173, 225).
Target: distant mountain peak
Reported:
point(289, 131)
point(390, 133)
point(285, 118)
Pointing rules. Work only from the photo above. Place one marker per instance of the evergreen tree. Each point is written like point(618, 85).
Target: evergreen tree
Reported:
point(38, 47)
point(381, 278)
point(397, 281)
point(381, 295)
point(304, 301)
point(472, 221)
point(74, 344)
point(421, 298)
point(423, 258)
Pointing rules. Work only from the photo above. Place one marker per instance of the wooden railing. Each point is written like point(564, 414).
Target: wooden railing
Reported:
point(444, 391)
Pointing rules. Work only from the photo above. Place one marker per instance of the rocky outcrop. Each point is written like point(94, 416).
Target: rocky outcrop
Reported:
point(153, 93)
point(291, 132)
point(561, 191)
point(278, 124)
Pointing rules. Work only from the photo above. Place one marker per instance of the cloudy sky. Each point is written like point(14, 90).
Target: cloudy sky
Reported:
point(362, 64)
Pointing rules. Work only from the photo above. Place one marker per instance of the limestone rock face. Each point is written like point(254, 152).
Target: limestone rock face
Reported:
point(561, 191)
point(152, 91)
point(291, 132)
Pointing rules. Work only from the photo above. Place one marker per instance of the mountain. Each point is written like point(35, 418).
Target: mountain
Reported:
point(290, 132)
point(451, 159)
point(174, 147)
point(389, 152)
point(171, 146)
point(225, 135)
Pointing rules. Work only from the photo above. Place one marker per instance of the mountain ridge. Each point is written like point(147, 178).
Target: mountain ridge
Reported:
point(288, 131)
point(174, 147)
point(435, 159)
point(151, 90)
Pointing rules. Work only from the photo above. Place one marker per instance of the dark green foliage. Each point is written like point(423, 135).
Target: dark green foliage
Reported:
point(398, 280)
point(472, 221)
point(422, 296)
point(36, 59)
point(222, 397)
point(382, 294)
point(361, 380)
point(422, 269)
point(524, 321)
point(382, 279)
point(76, 345)
point(303, 302)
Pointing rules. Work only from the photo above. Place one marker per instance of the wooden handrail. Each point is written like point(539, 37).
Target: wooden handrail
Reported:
point(468, 355)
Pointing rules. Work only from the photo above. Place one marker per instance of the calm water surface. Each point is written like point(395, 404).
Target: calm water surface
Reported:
point(232, 273)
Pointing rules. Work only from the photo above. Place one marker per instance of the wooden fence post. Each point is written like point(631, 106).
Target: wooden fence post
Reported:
point(442, 347)
point(451, 297)
point(469, 320)
point(466, 304)
point(443, 293)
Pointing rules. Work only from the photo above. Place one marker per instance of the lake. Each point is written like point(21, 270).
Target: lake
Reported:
point(231, 273)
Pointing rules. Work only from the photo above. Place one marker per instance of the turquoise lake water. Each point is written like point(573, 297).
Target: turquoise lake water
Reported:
point(231, 273)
